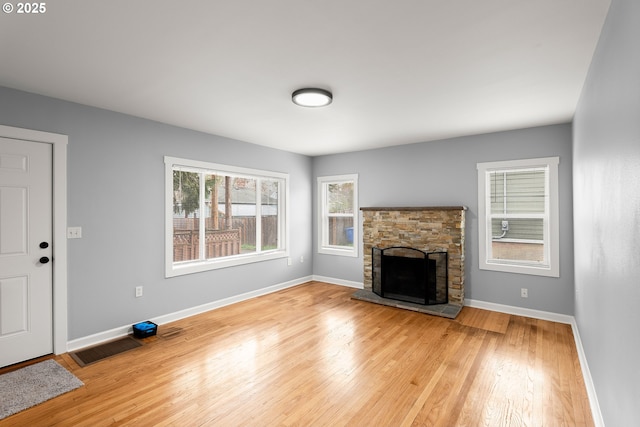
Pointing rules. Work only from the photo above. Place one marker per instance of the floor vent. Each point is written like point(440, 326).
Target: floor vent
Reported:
point(95, 354)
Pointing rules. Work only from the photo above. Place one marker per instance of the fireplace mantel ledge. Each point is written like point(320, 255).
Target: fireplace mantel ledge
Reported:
point(416, 208)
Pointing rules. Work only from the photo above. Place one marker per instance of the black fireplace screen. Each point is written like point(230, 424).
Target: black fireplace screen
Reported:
point(410, 275)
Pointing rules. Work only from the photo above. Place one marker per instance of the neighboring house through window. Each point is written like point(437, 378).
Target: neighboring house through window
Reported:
point(219, 216)
point(338, 215)
point(518, 216)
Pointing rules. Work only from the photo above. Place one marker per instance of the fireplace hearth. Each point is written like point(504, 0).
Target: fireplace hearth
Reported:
point(410, 275)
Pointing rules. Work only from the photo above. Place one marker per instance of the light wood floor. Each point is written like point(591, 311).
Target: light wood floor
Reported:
point(310, 356)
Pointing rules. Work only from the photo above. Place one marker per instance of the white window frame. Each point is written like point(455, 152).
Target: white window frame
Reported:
point(177, 269)
point(551, 266)
point(323, 218)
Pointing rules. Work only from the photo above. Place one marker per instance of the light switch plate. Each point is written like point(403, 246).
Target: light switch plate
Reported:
point(74, 232)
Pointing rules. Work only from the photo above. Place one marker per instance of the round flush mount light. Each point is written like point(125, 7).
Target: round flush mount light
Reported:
point(311, 97)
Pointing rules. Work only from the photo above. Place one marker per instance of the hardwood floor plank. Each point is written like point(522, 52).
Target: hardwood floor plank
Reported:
point(311, 355)
point(484, 319)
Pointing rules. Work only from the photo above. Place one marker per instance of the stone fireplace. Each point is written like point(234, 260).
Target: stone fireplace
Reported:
point(428, 229)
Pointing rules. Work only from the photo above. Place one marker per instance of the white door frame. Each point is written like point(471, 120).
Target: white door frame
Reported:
point(59, 209)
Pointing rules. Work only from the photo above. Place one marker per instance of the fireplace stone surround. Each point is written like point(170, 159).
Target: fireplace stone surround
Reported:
point(429, 229)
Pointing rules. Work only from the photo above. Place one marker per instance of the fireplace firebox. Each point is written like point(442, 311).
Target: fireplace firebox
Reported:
point(410, 275)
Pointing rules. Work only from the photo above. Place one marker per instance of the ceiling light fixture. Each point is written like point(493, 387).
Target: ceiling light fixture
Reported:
point(311, 97)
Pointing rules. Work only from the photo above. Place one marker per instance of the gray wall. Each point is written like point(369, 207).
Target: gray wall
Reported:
point(607, 215)
point(116, 194)
point(444, 173)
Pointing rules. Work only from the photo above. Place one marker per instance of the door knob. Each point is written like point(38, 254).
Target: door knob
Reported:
point(44, 245)
point(44, 260)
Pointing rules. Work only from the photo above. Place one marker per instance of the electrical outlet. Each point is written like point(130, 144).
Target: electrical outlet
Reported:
point(301, 259)
point(138, 291)
point(289, 262)
point(524, 293)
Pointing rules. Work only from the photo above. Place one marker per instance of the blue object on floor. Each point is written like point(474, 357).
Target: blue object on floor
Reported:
point(144, 329)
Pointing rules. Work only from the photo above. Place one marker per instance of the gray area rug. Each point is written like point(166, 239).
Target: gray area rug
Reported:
point(34, 384)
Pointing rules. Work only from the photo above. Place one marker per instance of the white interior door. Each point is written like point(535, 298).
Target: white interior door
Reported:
point(25, 250)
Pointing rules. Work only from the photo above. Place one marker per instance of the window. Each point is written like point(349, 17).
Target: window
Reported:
point(338, 215)
point(220, 216)
point(518, 216)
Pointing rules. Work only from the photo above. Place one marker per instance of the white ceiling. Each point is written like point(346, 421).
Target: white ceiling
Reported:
point(401, 71)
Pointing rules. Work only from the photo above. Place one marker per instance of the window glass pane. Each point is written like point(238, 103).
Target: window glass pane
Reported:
point(341, 230)
point(518, 228)
point(340, 198)
point(214, 216)
point(517, 251)
point(525, 192)
point(269, 213)
point(226, 226)
point(220, 240)
point(517, 192)
point(496, 197)
point(186, 216)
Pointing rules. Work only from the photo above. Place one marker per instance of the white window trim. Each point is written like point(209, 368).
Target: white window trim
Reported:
point(552, 232)
point(172, 269)
point(324, 248)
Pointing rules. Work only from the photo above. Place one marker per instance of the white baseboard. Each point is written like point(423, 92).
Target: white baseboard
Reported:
point(519, 311)
point(560, 318)
point(598, 421)
point(122, 331)
point(334, 281)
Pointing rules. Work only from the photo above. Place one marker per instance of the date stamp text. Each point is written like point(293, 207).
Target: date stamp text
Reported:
point(25, 8)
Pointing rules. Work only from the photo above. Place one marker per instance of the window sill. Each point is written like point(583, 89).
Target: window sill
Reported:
point(535, 270)
point(215, 264)
point(348, 252)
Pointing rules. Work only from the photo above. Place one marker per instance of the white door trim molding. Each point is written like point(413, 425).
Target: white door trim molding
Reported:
point(59, 146)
